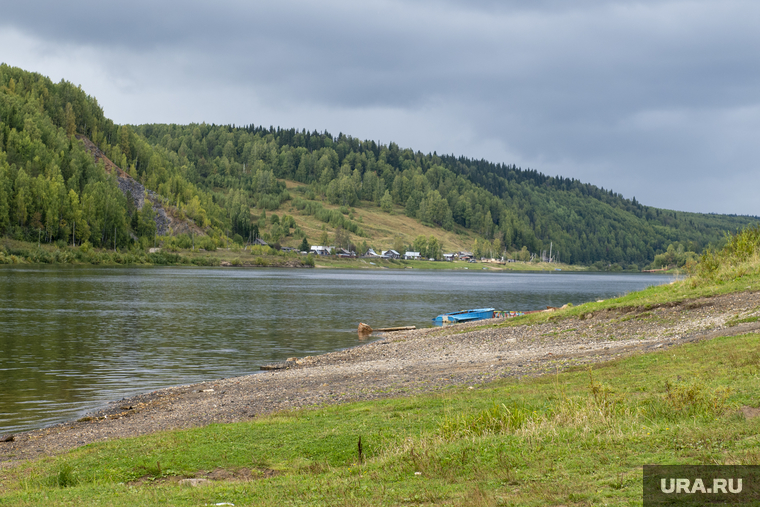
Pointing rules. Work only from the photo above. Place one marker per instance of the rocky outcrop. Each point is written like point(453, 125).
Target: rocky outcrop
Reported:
point(168, 219)
point(133, 189)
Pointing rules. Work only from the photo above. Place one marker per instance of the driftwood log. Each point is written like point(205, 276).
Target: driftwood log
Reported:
point(365, 330)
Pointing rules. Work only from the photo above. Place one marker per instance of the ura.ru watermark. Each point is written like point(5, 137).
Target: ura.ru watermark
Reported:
point(687, 485)
point(722, 485)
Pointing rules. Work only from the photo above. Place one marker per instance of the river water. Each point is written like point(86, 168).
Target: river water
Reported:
point(74, 338)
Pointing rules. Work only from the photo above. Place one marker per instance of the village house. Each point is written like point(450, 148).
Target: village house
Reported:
point(449, 257)
point(391, 254)
point(322, 250)
point(412, 256)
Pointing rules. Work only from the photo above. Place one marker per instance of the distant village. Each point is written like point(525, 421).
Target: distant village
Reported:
point(383, 255)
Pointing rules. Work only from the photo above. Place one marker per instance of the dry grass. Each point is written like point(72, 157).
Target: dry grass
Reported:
point(381, 227)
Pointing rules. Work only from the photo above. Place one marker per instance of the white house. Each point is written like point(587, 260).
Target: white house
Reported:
point(391, 254)
point(412, 256)
point(322, 250)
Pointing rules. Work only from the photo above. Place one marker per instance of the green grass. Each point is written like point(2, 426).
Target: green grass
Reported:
point(676, 293)
point(574, 438)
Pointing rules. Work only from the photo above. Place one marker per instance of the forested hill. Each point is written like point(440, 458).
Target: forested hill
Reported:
point(223, 177)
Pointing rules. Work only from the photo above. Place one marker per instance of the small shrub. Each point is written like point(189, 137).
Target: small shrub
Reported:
point(65, 477)
point(687, 400)
point(494, 420)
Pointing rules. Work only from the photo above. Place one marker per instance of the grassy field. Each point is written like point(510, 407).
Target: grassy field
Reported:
point(381, 228)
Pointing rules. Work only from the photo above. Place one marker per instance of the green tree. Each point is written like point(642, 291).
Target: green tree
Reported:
point(125, 142)
point(4, 207)
point(434, 248)
point(497, 247)
point(421, 245)
point(147, 227)
point(69, 120)
point(398, 244)
point(23, 197)
point(386, 203)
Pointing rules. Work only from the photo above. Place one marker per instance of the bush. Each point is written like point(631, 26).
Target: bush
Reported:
point(206, 243)
point(261, 250)
point(739, 256)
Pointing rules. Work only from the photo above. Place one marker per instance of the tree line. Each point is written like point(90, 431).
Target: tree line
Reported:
point(519, 208)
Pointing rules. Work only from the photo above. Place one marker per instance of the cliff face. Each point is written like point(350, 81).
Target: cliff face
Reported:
point(169, 220)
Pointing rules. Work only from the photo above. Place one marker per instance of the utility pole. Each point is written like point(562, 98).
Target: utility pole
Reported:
point(551, 244)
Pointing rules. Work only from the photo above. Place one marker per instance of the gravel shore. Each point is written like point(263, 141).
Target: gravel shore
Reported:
point(399, 364)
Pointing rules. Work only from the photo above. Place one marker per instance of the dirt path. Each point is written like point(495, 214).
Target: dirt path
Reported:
point(400, 364)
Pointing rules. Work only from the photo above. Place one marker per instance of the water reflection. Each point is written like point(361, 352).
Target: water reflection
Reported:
point(73, 338)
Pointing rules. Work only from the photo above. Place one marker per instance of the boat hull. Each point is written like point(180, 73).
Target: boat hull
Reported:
point(466, 315)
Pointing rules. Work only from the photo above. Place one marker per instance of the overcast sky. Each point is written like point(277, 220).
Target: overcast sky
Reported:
point(655, 99)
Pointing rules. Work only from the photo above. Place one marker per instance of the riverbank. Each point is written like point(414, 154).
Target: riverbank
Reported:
point(402, 364)
point(553, 408)
point(18, 252)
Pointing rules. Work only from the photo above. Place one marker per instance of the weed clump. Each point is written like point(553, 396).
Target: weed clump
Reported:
point(497, 419)
point(688, 400)
point(740, 256)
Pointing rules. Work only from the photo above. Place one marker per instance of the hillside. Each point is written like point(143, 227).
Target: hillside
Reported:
point(234, 183)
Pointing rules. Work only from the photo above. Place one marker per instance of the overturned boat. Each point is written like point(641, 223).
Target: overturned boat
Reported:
point(466, 315)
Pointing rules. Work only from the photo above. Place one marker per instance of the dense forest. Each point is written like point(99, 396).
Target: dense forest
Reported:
point(224, 177)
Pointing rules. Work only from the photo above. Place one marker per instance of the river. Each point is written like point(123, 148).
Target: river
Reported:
point(74, 338)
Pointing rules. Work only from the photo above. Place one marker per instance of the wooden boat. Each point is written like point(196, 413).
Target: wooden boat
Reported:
point(466, 315)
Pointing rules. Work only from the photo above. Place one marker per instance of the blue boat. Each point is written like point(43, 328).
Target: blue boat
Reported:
point(466, 315)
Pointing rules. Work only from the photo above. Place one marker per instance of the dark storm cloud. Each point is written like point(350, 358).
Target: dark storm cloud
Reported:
point(616, 93)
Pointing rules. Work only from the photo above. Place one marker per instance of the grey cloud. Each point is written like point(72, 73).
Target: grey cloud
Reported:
point(590, 89)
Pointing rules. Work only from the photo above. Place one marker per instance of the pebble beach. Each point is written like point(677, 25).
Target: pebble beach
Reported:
point(401, 364)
